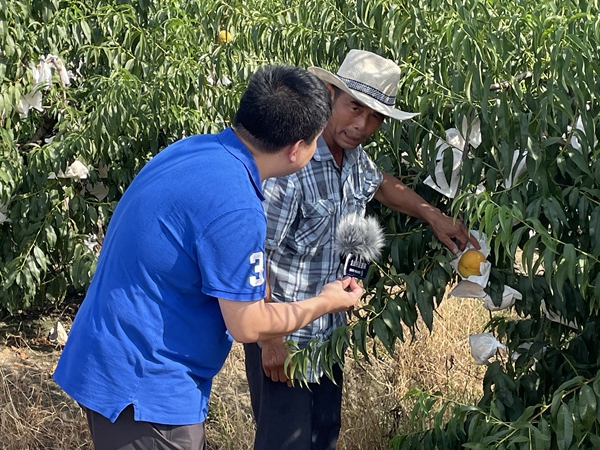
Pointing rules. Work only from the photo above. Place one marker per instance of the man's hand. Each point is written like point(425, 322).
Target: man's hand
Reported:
point(274, 354)
point(259, 320)
point(397, 196)
point(451, 232)
point(345, 293)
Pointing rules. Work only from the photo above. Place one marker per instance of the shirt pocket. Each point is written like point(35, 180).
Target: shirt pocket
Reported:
point(314, 224)
point(369, 182)
point(358, 204)
point(360, 190)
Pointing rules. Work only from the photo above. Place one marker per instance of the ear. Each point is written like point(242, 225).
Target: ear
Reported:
point(331, 90)
point(292, 151)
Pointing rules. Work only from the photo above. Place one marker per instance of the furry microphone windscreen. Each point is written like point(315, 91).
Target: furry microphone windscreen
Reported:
point(360, 236)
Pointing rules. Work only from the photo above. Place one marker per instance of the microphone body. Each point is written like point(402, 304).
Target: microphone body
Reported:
point(360, 240)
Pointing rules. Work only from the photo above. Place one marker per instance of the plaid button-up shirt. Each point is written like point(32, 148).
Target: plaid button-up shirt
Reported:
point(303, 210)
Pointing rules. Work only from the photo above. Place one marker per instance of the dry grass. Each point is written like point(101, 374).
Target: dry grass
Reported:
point(230, 425)
point(35, 414)
point(375, 406)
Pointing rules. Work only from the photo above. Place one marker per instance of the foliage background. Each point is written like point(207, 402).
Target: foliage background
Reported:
point(147, 73)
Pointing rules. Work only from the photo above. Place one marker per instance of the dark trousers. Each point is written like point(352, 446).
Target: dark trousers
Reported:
point(293, 418)
point(128, 434)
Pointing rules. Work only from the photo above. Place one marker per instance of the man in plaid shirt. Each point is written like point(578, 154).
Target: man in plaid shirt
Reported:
point(303, 211)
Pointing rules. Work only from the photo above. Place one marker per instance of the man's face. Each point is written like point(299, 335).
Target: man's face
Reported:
point(351, 122)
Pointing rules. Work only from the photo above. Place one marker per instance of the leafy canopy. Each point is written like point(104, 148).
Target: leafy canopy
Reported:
point(144, 74)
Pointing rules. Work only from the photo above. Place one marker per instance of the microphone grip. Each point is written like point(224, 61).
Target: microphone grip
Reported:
point(356, 266)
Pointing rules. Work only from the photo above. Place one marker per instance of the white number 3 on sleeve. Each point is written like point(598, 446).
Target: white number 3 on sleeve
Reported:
point(258, 261)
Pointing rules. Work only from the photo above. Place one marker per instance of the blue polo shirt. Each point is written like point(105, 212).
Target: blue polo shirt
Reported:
point(189, 229)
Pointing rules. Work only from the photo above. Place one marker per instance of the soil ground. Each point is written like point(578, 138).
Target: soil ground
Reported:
point(29, 396)
point(25, 345)
point(36, 414)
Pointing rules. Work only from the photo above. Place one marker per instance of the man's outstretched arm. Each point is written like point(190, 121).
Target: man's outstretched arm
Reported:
point(258, 321)
point(397, 196)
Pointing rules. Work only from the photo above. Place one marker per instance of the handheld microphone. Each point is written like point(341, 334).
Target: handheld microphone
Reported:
point(359, 239)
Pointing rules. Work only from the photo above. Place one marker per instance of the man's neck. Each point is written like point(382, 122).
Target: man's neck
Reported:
point(259, 157)
point(336, 151)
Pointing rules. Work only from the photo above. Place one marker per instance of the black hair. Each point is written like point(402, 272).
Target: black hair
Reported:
point(281, 106)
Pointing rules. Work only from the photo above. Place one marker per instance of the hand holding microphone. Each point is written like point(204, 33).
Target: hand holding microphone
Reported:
point(360, 240)
point(344, 293)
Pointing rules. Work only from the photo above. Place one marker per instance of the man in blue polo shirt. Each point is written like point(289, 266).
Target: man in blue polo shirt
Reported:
point(182, 271)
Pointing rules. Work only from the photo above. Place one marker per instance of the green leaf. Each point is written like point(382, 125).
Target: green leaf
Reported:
point(392, 321)
point(587, 406)
point(87, 32)
point(40, 257)
point(541, 435)
point(359, 333)
point(564, 427)
point(381, 331)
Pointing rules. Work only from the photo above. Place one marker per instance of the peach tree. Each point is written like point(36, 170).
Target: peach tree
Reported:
point(505, 139)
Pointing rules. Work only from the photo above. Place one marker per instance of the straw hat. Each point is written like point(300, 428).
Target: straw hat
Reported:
point(370, 79)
